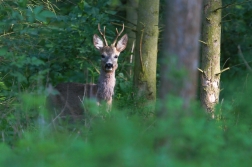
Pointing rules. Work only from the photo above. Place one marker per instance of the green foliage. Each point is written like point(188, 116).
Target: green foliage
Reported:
point(46, 42)
point(121, 140)
point(236, 30)
point(42, 43)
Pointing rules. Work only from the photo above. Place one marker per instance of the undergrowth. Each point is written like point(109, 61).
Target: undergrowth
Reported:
point(126, 139)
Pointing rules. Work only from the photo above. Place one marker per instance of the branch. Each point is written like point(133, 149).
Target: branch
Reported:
point(200, 70)
point(122, 18)
point(203, 42)
point(140, 48)
point(244, 60)
point(124, 26)
point(222, 71)
point(6, 34)
point(96, 69)
point(225, 62)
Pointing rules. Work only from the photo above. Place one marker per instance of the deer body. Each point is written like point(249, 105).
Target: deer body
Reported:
point(70, 97)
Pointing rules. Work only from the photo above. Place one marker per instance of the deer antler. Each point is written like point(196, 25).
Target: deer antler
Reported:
point(103, 34)
point(118, 34)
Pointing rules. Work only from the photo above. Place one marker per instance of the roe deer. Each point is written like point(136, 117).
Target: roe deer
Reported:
point(70, 97)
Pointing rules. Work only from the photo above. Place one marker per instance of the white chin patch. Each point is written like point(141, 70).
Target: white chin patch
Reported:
point(109, 69)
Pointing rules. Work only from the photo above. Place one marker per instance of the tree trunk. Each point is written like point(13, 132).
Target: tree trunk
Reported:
point(211, 37)
point(180, 51)
point(131, 16)
point(146, 50)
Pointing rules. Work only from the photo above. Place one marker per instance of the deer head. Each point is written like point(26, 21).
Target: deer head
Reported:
point(110, 54)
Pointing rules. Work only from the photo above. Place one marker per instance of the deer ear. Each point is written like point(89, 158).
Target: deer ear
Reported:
point(122, 43)
point(98, 43)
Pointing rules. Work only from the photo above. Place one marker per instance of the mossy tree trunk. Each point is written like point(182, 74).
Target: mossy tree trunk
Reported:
point(180, 52)
point(146, 50)
point(211, 37)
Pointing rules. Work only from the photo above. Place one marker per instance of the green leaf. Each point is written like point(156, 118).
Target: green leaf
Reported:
point(38, 9)
point(22, 3)
point(20, 61)
point(35, 61)
point(14, 14)
point(40, 18)
point(47, 14)
point(20, 77)
point(49, 45)
point(30, 16)
point(3, 51)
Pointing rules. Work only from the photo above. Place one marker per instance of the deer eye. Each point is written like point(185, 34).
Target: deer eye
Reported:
point(116, 56)
point(103, 56)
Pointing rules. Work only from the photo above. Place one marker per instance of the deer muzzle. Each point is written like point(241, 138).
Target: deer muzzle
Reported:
point(108, 66)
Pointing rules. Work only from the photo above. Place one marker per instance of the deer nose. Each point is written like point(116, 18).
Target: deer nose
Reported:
point(108, 65)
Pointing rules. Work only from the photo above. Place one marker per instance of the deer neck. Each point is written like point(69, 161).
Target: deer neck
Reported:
point(106, 84)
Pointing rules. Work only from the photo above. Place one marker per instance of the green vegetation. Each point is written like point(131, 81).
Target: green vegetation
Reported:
point(48, 43)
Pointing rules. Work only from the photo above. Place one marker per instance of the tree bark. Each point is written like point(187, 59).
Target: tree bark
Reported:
point(180, 54)
point(146, 50)
point(211, 36)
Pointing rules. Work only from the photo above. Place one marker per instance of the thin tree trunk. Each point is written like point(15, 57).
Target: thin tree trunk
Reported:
point(146, 50)
point(180, 51)
point(131, 15)
point(211, 36)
